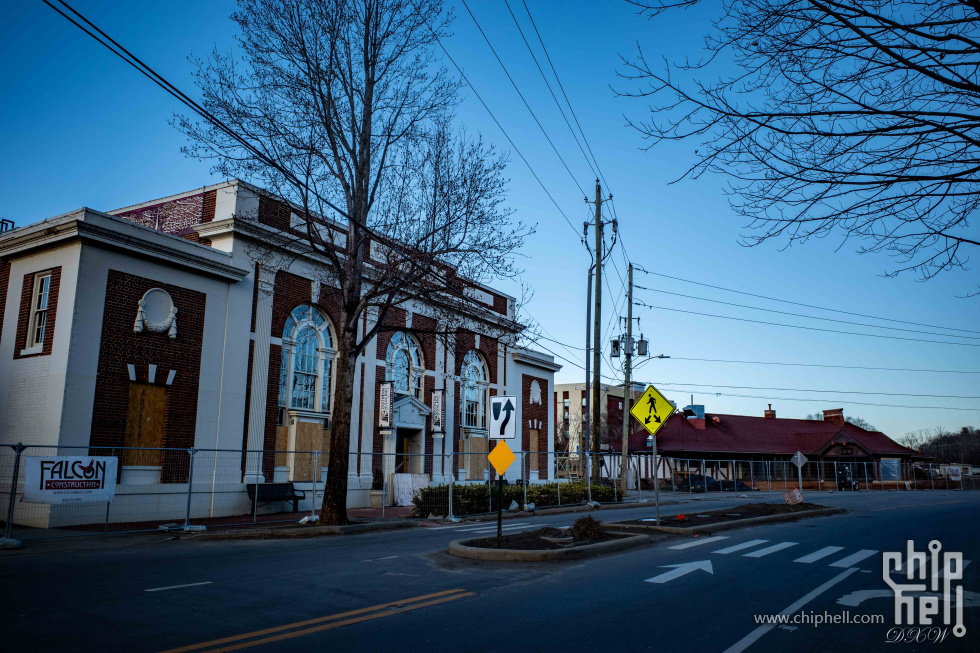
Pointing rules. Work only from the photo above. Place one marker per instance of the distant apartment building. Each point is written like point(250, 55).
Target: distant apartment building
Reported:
point(569, 409)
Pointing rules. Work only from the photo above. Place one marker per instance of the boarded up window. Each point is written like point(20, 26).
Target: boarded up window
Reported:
point(145, 424)
point(476, 460)
point(533, 450)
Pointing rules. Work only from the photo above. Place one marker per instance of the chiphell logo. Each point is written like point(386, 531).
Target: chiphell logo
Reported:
point(917, 603)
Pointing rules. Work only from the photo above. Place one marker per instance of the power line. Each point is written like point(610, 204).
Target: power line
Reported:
point(548, 84)
point(809, 317)
point(846, 392)
point(565, 95)
point(843, 367)
point(819, 308)
point(839, 401)
point(809, 328)
point(502, 130)
point(117, 49)
point(514, 84)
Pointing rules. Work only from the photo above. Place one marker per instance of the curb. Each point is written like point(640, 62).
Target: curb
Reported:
point(303, 532)
point(459, 548)
point(724, 526)
point(579, 507)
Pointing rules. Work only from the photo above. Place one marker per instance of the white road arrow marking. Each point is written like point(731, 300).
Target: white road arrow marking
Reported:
point(681, 570)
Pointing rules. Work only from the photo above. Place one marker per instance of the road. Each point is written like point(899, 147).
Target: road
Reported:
point(398, 590)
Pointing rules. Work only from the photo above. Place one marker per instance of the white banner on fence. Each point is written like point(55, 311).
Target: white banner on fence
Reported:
point(437, 412)
point(69, 479)
point(387, 405)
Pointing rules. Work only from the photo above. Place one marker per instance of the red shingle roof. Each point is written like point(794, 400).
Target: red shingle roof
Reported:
point(758, 435)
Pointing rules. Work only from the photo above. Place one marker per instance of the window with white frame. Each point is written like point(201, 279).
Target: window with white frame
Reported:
point(39, 311)
point(404, 366)
point(475, 384)
point(307, 356)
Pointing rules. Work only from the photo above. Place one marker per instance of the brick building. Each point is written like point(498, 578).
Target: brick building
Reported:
point(155, 326)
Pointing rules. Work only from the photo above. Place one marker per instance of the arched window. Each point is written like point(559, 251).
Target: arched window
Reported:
point(404, 368)
point(475, 384)
point(307, 357)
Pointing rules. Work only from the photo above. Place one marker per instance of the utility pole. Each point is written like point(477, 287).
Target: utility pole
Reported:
point(593, 385)
point(627, 385)
point(597, 329)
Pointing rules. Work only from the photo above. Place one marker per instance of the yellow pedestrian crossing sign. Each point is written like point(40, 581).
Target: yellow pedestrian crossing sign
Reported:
point(652, 410)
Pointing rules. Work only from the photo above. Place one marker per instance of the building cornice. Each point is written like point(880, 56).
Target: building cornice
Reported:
point(532, 360)
point(298, 247)
point(93, 226)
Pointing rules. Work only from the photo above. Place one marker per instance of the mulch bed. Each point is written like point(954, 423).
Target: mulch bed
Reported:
point(531, 541)
point(744, 511)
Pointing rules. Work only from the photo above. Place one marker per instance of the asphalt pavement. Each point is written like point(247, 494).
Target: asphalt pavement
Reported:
point(399, 590)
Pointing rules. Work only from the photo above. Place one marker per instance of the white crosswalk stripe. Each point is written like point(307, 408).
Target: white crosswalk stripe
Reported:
point(703, 540)
point(854, 558)
point(821, 553)
point(770, 549)
point(742, 546)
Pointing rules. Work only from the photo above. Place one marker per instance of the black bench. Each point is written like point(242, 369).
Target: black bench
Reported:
point(272, 492)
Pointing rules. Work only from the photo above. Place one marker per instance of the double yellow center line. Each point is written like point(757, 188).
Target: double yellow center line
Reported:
point(310, 626)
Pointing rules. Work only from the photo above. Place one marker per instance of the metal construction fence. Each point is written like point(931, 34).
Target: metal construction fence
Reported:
point(191, 489)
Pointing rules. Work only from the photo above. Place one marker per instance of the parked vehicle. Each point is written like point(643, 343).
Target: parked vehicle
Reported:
point(736, 486)
point(698, 483)
point(845, 481)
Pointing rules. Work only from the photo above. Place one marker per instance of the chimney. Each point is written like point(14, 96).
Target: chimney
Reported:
point(835, 415)
point(695, 416)
point(770, 414)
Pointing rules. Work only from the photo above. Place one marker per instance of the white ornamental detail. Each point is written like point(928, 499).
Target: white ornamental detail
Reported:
point(157, 313)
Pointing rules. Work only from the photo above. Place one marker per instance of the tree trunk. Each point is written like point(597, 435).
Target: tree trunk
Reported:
point(334, 509)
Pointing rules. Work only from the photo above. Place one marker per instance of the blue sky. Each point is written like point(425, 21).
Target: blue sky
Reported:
point(81, 128)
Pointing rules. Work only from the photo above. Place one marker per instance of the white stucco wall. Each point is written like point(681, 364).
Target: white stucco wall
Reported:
point(32, 389)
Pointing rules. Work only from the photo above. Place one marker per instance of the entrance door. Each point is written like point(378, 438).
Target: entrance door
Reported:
point(403, 445)
point(144, 424)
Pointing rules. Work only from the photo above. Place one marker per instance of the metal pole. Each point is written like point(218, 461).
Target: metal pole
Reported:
point(867, 482)
point(108, 505)
point(931, 479)
point(190, 485)
point(799, 475)
point(500, 508)
point(627, 388)
point(656, 479)
point(751, 475)
point(8, 542)
point(836, 477)
point(524, 476)
point(585, 434)
point(316, 460)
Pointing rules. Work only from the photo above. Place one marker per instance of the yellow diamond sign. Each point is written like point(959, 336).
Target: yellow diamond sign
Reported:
point(501, 457)
point(652, 410)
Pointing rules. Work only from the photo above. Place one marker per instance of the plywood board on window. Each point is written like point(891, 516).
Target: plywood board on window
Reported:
point(145, 419)
point(476, 461)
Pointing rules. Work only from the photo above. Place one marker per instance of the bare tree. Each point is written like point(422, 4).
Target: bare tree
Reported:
point(858, 118)
point(346, 114)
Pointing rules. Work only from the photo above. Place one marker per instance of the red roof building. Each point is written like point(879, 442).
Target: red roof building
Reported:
point(714, 436)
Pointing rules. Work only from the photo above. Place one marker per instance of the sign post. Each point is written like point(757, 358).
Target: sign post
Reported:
point(799, 460)
point(503, 426)
point(652, 410)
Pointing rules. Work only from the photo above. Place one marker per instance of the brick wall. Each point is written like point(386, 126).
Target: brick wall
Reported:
point(466, 340)
point(535, 412)
point(4, 283)
point(120, 346)
point(23, 317)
